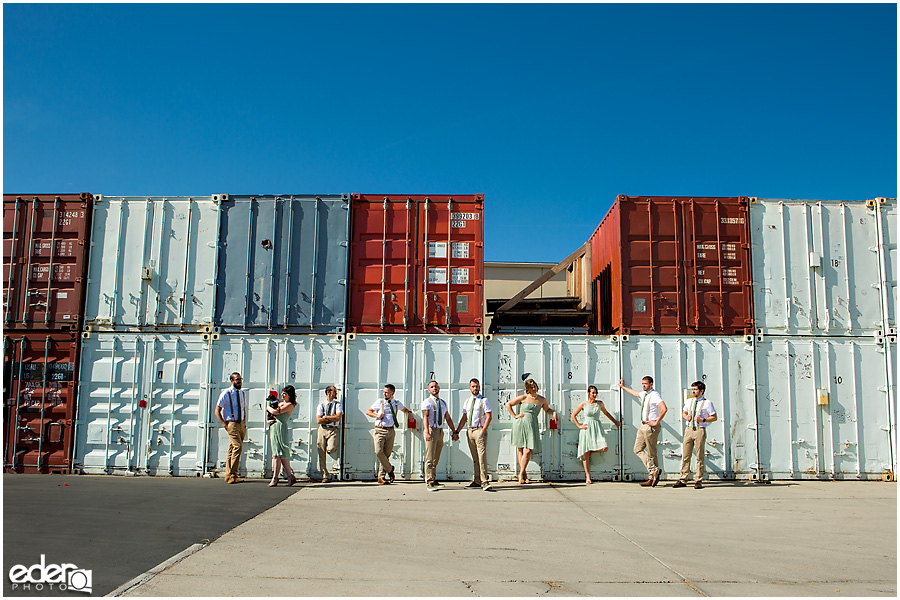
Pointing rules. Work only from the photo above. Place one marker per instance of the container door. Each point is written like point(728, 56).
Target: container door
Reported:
point(409, 362)
point(887, 261)
point(283, 263)
point(509, 362)
point(717, 282)
point(451, 234)
point(814, 270)
point(176, 397)
point(824, 408)
point(309, 363)
point(45, 235)
point(110, 435)
point(383, 279)
point(41, 400)
point(581, 362)
point(725, 365)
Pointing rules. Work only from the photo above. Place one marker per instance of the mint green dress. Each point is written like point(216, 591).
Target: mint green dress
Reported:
point(592, 438)
point(525, 432)
point(278, 434)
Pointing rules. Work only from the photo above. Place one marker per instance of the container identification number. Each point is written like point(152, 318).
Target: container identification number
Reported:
point(732, 220)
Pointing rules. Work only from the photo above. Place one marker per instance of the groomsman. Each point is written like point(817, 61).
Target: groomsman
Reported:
point(385, 413)
point(477, 412)
point(435, 415)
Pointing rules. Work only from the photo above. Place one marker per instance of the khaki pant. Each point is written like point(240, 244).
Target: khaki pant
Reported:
point(433, 454)
point(327, 443)
point(478, 448)
point(693, 439)
point(646, 438)
point(237, 431)
point(384, 446)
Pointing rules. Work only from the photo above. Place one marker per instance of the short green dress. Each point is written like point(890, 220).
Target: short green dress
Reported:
point(278, 434)
point(591, 439)
point(525, 432)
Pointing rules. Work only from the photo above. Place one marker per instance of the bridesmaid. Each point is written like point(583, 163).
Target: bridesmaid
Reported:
point(278, 433)
point(590, 438)
point(526, 436)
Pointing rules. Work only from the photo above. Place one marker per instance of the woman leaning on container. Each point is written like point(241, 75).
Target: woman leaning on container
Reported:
point(590, 435)
point(526, 436)
point(278, 433)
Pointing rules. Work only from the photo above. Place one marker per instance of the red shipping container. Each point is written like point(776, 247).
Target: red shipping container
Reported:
point(40, 385)
point(673, 266)
point(42, 234)
point(416, 264)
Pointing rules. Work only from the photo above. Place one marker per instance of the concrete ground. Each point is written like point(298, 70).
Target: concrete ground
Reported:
point(804, 538)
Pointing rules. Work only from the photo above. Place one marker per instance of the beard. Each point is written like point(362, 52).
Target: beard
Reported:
point(237, 385)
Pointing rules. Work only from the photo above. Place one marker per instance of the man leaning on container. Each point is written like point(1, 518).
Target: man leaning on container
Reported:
point(231, 411)
point(385, 413)
point(699, 413)
point(328, 416)
point(435, 415)
point(653, 409)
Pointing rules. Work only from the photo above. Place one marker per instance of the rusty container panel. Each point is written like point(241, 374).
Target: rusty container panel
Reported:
point(39, 389)
point(44, 234)
point(674, 266)
point(417, 263)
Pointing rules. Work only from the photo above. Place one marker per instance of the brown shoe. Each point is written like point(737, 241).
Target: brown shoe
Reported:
point(381, 481)
point(237, 480)
point(391, 475)
point(655, 477)
point(647, 483)
point(698, 486)
point(679, 483)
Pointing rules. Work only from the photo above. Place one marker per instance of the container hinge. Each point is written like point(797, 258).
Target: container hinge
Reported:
point(754, 465)
point(342, 281)
point(345, 244)
point(885, 428)
point(753, 426)
point(752, 387)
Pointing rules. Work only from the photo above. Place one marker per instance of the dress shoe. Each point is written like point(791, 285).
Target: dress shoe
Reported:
point(655, 477)
point(647, 483)
point(381, 481)
point(679, 484)
point(698, 486)
point(237, 480)
point(472, 484)
point(391, 475)
point(292, 480)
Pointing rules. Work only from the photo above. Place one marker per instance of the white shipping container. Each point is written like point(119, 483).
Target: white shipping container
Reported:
point(152, 264)
point(179, 378)
point(816, 268)
point(408, 362)
point(725, 365)
point(824, 408)
point(887, 260)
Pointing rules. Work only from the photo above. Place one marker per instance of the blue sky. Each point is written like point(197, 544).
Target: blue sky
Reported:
point(549, 110)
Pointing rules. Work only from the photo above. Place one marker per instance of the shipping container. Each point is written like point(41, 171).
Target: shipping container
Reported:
point(673, 266)
point(153, 262)
point(563, 367)
point(149, 400)
point(283, 263)
point(409, 362)
point(40, 386)
point(44, 234)
point(417, 264)
point(816, 268)
point(725, 365)
point(824, 407)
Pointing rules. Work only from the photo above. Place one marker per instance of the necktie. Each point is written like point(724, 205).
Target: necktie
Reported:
point(437, 407)
point(644, 404)
point(472, 413)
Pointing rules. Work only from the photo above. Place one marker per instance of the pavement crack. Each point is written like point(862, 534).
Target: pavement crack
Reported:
point(469, 587)
point(684, 579)
point(554, 585)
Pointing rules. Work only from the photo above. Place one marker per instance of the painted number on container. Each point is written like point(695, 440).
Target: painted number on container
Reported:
point(458, 220)
point(732, 220)
point(437, 275)
point(838, 379)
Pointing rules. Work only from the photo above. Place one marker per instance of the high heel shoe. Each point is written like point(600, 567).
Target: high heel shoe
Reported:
point(291, 480)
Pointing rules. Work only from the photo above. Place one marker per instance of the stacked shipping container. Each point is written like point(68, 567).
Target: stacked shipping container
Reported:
point(181, 291)
point(45, 259)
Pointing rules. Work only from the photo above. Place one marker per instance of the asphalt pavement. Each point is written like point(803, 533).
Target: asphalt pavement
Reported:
point(118, 527)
